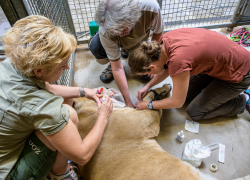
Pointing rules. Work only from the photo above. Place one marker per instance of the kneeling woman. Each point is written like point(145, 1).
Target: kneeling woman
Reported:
point(38, 126)
point(206, 68)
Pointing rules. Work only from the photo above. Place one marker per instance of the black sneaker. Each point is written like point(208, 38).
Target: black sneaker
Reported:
point(107, 75)
point(124, 53)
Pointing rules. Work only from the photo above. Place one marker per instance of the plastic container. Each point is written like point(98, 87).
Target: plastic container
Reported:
point(180, 136)
point(93, 27)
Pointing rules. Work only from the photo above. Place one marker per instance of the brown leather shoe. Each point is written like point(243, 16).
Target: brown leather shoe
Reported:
point(107, 75)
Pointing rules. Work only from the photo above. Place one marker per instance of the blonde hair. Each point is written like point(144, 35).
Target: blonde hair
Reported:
point(141, 57)
point(34, 42)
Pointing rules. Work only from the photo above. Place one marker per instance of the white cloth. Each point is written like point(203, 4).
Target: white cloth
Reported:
point(192, 126)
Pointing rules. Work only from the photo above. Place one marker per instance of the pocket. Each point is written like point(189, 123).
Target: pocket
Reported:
point(3, 106)
point(21, 170)
point(35, 161)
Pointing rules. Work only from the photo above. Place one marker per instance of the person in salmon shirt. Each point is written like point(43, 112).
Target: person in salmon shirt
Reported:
point(206, 68)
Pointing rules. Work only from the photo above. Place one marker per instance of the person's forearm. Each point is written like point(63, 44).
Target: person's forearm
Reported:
point(167, 103)
point(93, 139)
point(70, 144)
point(156, 37)
point(122, 84)
point(179, 93)
point(64, 91)
point(158, 78)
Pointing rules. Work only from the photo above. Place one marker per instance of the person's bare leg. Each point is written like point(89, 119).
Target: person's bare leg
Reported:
point(61, 165)
point(68, 101)
point(61, 162)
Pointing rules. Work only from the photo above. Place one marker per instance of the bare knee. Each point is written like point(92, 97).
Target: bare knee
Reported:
point(68, 101)
point(73, 115)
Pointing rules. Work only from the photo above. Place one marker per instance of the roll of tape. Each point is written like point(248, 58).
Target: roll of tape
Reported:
point(213, 167)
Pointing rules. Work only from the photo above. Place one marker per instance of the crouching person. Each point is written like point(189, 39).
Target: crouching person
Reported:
point(211, 74)
point(38, 126)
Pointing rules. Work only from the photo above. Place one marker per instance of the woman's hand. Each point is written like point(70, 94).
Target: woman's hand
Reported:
point(142, 93)
point(92, 95)
point(105, 108)
point(141, 105)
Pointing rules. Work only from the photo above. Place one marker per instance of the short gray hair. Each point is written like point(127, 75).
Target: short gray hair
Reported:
point(115, 15)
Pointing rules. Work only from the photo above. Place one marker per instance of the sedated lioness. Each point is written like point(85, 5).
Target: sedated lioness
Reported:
point(128, 150)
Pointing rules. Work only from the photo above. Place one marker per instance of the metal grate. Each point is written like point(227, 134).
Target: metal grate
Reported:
point(196, 13)
point(176, 13)
point(83, 11)
point(55, 11)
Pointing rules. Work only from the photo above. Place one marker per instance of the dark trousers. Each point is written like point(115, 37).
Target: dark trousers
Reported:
point(212, 97)
point(96, 47)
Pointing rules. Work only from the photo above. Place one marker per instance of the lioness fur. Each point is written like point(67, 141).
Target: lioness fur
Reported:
point(128, 149)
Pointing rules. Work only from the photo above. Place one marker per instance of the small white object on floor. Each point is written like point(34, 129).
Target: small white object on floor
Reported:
point(213, 146)
point(180, 136)
point(213, 167)
point(222, 153)
point(192, 126)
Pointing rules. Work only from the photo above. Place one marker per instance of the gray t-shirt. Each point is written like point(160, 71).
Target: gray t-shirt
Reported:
point(151, 19)
point(25, 106)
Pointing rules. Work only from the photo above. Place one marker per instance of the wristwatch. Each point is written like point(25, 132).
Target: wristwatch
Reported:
point(81, 92)
point(150, 105)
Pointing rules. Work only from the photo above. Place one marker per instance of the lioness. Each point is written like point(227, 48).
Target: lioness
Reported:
point(128, 149)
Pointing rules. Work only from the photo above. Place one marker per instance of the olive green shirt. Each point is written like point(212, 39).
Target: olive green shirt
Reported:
point(25, 106)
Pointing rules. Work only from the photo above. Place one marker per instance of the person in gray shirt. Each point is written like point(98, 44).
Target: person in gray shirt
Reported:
point(123, 24)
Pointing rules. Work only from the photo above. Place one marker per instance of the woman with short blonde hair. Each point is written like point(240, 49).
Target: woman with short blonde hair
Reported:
point(39, 127)
point(35, 42)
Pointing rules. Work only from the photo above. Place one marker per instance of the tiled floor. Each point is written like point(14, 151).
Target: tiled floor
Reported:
point(233, 132)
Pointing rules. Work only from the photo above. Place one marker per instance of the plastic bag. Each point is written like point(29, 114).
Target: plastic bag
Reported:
point(194, 151)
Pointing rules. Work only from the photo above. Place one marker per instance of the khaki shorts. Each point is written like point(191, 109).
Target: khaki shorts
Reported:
point(35, 161)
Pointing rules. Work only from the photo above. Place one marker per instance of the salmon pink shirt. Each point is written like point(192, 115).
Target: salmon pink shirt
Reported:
point(205, 51)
